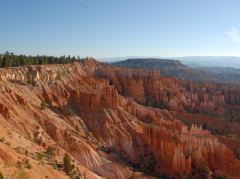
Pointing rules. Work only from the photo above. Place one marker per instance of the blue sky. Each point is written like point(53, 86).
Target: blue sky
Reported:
point(111, 28)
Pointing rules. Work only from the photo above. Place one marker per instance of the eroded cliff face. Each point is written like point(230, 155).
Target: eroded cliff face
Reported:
point(149, 88)
point(77, 109)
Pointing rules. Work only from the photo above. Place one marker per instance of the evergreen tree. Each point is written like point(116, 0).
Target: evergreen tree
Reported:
point(67, 163)
point(1, 175)
point(204, 169)
point(12, 60)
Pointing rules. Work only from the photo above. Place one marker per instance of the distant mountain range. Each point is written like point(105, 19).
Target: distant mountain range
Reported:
point(174, 68)
point(210, 61)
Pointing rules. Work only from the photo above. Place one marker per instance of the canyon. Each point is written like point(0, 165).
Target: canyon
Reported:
point(116, 123)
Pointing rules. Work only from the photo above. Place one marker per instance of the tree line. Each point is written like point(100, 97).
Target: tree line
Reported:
point(12, 60)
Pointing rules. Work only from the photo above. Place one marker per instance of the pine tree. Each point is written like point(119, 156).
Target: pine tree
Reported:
point(1, 175)
point(204, 169)
point(67, 163)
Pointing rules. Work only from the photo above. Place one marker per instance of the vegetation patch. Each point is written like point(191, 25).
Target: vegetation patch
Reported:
point(51, 151)
point(1, 175)
point(12, 60)
point(43, 105)
point(67, 164)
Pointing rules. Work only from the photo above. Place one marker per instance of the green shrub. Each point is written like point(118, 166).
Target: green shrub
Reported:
point(19, 165)
point(18, 150)
point(205, 126)
point(1, 175)
point(70, 112)
point(39, 156)
point(22, 175)
point(28, 164)
point(59, 76)
point(43, 105)
point(26, 152)
point(29, 79)
point(204, 169)
point(2, 139)
point(238, 155)
point(50, 151)
point(190, 176)
point(217, 177)
point(67, 164)
point(57, 166)
point(77, 129)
